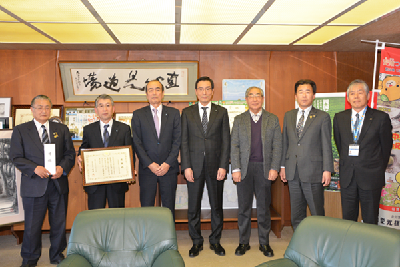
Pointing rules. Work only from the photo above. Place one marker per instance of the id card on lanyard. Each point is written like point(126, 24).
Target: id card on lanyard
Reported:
point(354, 149)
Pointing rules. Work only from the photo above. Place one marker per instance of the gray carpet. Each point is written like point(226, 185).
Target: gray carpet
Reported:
point(10, 251)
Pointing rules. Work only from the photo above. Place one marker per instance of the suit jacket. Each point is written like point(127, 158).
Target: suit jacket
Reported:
point(120, 136)
point(213, 146)
point(271, 138)
point(375, 147)
point(312, 152)
point(149, 148)
point(27, 153)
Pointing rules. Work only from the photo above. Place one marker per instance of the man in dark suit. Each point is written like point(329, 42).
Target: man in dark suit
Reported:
point(205, 159)
point(104, 133)
point(40, 189)
point(156, 131)
point(364, 141)
point(307, 160)
point(256, 151)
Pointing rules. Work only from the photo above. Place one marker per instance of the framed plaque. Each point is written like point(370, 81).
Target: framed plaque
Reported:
point(107, 165)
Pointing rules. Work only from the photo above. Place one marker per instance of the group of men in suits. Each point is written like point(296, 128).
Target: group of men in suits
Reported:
point(257, 149)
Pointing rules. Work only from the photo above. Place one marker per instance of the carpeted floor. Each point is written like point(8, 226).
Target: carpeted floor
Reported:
point(10, 251)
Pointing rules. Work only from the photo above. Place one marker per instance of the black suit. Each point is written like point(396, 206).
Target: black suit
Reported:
point(362, 177)
point(205, 154)
point(115, 192)
point(39, 194)
point(150, 148)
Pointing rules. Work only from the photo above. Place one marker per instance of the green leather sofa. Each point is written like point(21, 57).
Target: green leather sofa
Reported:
point(330, 242)
point(123, 237)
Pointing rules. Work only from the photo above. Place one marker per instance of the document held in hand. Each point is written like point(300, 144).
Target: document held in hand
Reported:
point(50, 157)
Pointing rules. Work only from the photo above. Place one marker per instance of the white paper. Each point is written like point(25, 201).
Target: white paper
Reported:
point(50, 158)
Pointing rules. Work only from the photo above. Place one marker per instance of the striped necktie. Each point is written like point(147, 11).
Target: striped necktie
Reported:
point(45, 136)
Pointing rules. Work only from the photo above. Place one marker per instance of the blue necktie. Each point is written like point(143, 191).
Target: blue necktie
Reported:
point(106, 136)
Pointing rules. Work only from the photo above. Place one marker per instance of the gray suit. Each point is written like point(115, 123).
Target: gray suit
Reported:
point(305, 159)
point(271, 139)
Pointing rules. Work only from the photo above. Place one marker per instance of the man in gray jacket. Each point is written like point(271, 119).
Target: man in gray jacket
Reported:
point(256, 149)
point(307, 160)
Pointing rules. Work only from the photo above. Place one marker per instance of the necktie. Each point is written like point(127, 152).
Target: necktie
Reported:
point(204, 120)
point(355, 132)
point(156, 122)
point(45, 136)
point(300, 124)
point(106, 136)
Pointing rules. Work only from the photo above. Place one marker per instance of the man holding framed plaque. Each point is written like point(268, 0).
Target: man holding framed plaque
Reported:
point(156, 131)
point(102, 134)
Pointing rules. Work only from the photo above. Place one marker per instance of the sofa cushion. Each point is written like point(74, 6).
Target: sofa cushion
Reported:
point(119, 237)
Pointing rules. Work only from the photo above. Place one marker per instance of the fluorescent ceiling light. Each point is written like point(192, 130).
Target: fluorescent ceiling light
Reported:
point(220, 11)
point(274, 34)
point(144, 33)
point(76, 33)
point(128, 11)
point(49, 10)
point(303, 11)
point(325, 34)
point(367, 11)
point(20, 33)
point(6, 17)
point(210, 34)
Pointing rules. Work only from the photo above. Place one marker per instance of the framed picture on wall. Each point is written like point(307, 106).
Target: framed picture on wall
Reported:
point(126, 81)
point(10, 181)
point(5, 106)
point(77, 118)
point(23, 113)
point(124, 117)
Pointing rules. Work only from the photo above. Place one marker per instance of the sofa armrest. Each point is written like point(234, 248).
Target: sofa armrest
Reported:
point(169, 258)
point(278, 263)
point(74, 260)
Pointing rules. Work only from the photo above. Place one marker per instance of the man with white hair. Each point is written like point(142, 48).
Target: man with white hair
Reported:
point(364, 141)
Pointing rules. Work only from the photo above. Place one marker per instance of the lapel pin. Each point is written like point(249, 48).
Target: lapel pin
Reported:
point(55, 135)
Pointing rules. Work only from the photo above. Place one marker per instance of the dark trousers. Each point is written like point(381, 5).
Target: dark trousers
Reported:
point(167, 186)
point(35, 209)
point(215, 190)
point(301, 194)
point(368, 199)
point(97, 199)
point(254, 183)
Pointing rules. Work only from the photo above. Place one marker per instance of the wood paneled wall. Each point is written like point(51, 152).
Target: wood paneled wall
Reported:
point(27, 73)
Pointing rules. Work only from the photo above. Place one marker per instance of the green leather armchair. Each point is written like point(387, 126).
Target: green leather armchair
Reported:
point(324, 241)
point(123, 237)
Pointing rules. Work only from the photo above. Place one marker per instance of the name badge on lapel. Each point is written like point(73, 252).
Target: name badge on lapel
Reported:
point(354, 150)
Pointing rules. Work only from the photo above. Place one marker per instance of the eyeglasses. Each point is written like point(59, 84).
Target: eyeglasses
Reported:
point(254, 96)
point(47, 108)
point(201, 89)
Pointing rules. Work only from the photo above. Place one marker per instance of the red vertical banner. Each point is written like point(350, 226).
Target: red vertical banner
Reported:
point(389, 101)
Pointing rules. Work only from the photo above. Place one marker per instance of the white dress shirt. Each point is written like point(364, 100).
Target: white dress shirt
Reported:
point(159, 110)
point(40, 129)
point(208, 110)
point(110, 123)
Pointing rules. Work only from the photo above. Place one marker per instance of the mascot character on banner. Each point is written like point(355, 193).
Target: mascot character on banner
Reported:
point(389, 101)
